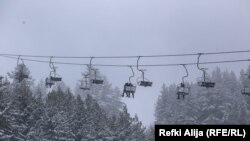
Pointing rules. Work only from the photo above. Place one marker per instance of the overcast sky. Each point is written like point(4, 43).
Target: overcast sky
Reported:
point(125, 27)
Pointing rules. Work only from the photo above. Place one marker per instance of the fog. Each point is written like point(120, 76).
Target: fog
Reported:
point(131, 27)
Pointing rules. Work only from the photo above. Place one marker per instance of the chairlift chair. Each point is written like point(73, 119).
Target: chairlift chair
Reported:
point(49, 83)
point(204, 82)
point(143, 81)
point(55, 79)
point(96, 80)
point(85, 85)
point(53, 75)
point(20, 76)
point(129, 88)
point(182, 89)
point(1, 81)
point(245, 91)
point(207, 84)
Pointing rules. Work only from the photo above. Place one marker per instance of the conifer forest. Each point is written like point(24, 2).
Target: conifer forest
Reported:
point(124, 70)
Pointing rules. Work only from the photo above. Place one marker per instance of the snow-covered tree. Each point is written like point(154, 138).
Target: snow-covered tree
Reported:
point(223, 104)
point(108, 98)
point(29, 113)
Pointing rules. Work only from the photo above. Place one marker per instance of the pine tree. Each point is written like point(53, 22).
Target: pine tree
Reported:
point(223, 104)
point(106, 96)
point(30, 115)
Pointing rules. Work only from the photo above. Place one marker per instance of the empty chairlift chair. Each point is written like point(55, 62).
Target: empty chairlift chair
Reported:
point(85, 84)
point(96, 80)
point(53, 75)
point(204, 81)
point(143, 81)
point(55, 78)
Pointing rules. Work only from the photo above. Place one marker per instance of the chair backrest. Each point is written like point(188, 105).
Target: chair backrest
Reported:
point(56, 79)
point(206, 84)
point(145, 83)
point(96, 81)
point(245, 91)
point(130, 88)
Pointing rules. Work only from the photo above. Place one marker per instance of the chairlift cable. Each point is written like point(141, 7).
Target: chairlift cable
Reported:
point(148, 56)
point(128, 65)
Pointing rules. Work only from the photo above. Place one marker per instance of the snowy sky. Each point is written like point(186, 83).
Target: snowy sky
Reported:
point(125, 27)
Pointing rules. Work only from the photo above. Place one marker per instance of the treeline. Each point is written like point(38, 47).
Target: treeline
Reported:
point(223, 104)
point(28, 114)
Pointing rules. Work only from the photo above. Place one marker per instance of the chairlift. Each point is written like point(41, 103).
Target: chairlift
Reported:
point(245, 91)
point(248, 75)
point(143, 81)
point(129, 88)
point(49, 83)
point(55, 78)
point(204, 82)
point(20, 76)
point(85, 85)
point(1, 81)
point(182, 89)
point(95, 80)
point(53, 75)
